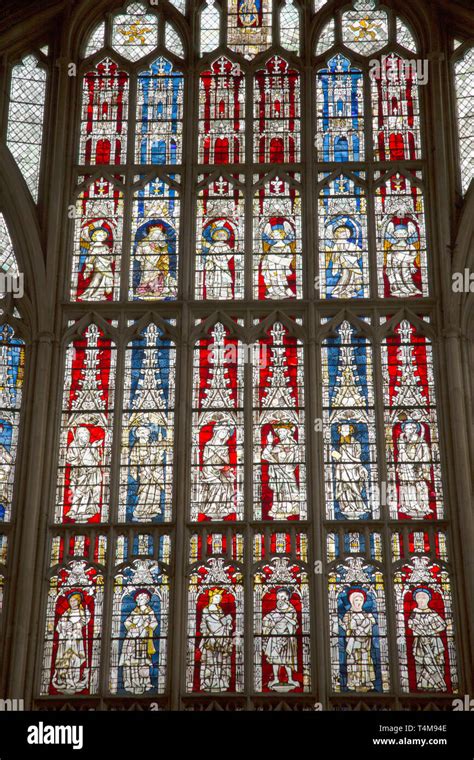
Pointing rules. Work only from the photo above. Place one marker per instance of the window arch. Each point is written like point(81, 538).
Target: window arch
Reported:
point(249, 385)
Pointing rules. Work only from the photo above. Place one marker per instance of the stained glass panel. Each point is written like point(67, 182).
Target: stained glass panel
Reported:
point(210, 27)
point(405, 36)
point(220, 241)
point(411, 429)
point(135, 33)
point(365, 29)
point(343, 245)
point(97, 242)
point(396, 109)
point(349, 433)
point(279, 437)
point(217, 435)
point(358, 625)
point(83, 493)
point(159, 125)
point(215, 651)
point(277, 234)
point(327, 38)
point(290, 26)
point(146, 488)
point(95, 41)
point(12, 371)
point(139, 622)
point(425, 634)
point(401, 238)
point(277, 113)
point(249, 26)
point(155, 237)
point(340, 109)
point(464, 78)
point(104, 115)
point(221, 113)
point(74, 611)
point(25, 119)
point(281, 615)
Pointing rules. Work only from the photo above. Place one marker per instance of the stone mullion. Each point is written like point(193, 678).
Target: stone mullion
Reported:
point(385, 529)
point(109, 525)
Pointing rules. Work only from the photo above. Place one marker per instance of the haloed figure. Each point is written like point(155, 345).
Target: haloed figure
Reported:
point(358, 626)
point(71, 655)
point(138, 647)
point(280, 644)
point(216, 645)
point(428, 648)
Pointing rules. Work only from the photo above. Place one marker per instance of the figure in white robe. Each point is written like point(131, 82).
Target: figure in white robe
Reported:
point(278, 261)
point(146, 468)
point(280, 644)
point(350, 475)
point(216, 645)
point(345, 263)
point(85, 477)
point(428, 649)
point(218, 277)
point(71, 656)
point(99, 267)
point(138, 646)
point(401, 261)
point(283, 458)
point(358, 626)
point(414, 471)
point(152, 253)
point(217, 475)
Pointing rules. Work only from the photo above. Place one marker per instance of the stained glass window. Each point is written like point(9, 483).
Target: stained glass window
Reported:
point(220, 240)
point(221, 113)
point(226, 425)
point(277, 260)
point(277, 113)
point(25, 119)
point(464, 79)
point(146, 487)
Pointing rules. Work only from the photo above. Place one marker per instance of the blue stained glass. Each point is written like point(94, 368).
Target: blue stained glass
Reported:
point(361, 624)
point(147, 440)
point(343, 240)
point(159, 114)
point(155, 242)
point(349, 427)
point(340, 127)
